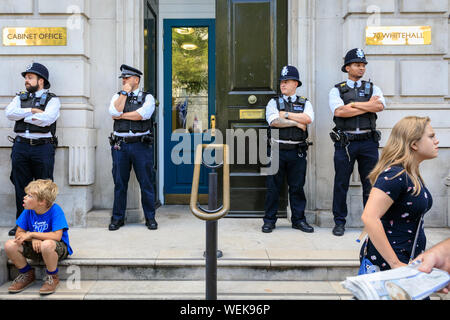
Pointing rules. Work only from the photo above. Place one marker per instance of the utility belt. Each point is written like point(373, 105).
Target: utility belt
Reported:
point(34, 142)
point(344, 138)
point(116, 140)
point(301, 146)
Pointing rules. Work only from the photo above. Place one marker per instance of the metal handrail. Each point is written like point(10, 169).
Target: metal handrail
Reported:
point(223, 210)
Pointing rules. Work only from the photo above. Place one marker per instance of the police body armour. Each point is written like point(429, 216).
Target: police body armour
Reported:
point(357, 94)
point(132, 104)
point(28, 100)
point(292, 133)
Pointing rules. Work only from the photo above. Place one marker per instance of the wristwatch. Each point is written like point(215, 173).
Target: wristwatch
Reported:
point(286, 115)
point(124, 92)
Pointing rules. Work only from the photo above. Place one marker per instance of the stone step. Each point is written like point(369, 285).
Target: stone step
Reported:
point(187, 290)
point(183, 290)
point(316, 265)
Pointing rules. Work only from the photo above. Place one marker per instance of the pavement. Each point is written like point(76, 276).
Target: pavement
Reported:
point(180, 238)
point(182, 235)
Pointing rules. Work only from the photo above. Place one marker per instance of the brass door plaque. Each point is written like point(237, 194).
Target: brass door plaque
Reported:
point(398, 35)
point(34, 36)
point(252, 114)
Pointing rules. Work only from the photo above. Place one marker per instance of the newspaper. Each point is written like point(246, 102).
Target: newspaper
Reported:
point(405, 283)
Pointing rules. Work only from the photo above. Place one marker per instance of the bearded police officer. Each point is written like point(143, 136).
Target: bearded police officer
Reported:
point(290, 114)
point(131, 146)
point(354, 104)
point(35, 112)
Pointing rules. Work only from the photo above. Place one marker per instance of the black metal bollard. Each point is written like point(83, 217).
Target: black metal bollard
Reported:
point(211, 241)
point(212, 214)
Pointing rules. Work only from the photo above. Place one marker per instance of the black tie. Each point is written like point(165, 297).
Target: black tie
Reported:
point(289, 100)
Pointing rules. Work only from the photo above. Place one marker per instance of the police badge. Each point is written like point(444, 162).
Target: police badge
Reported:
point(360, 53)
point(284, 71)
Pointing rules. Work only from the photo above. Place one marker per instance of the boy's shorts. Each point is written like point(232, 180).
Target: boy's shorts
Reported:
point(28, 252)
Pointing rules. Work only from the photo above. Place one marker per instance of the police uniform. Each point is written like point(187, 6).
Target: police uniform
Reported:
point(355, 138)
point(131, 146)
point(292, 146)
point(33, 151)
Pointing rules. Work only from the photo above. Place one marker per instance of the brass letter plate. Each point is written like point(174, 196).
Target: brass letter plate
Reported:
point(398, 35)
point(34, 36)
point(252, 114)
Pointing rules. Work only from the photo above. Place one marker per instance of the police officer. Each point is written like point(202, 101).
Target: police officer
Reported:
point(290, 114)
point(354, 104)
point(35, 111)
point(131, 146)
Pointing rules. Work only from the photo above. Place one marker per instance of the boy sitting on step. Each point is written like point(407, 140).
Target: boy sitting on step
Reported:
point(41, 235)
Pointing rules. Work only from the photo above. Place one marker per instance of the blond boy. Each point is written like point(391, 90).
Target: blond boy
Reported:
point(41, 235)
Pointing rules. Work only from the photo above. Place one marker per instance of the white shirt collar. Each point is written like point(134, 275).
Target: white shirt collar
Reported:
point(351, 83)
point(293, 98)
point(39, 93)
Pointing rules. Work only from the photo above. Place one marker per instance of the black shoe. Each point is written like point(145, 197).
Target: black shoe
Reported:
point(304, 226)
point(12, 232)
point(339, 230)
point(268, 227)
point(115, 225)
point(151, 224)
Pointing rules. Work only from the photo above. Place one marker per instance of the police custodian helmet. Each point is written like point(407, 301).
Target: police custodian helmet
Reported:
point(39, 70)
point(354, 55)
point(290, 73)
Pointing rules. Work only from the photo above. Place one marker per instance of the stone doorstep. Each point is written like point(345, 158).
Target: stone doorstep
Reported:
point(323, 219)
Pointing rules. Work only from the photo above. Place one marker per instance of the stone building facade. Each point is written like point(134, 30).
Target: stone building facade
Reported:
point(103, 34)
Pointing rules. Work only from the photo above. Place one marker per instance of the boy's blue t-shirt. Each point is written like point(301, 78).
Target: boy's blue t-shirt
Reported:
point(53, 220)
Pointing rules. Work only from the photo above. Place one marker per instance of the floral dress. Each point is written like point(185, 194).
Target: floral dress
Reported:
point(401, 220)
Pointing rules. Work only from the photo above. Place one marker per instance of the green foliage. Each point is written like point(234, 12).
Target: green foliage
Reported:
point(190, 67)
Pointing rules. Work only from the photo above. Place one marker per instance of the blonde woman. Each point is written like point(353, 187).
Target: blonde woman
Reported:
point(399, 197)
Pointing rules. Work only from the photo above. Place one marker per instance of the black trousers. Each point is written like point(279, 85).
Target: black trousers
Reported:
point(365, 152)
point(30, 162)
point(292, 165)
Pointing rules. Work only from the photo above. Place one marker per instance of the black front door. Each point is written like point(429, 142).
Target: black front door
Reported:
point(251, 49)
point(150, 76)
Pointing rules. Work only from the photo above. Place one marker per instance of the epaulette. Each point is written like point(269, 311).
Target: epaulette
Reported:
point(302, 99)
point(341, 84)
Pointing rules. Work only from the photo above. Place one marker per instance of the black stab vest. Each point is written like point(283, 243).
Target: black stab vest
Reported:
point(361, 94)
point(132, 104)
point(40, 103)
point(292, 133)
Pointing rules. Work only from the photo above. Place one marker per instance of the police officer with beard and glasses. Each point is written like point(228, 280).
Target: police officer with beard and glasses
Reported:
point(35, 112)
point(290, 114)
point(354, 104)
point(131, 146)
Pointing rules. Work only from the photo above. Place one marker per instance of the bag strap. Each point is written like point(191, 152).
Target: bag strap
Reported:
point(413, 251)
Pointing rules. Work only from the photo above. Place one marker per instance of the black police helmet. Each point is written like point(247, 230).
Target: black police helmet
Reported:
point(39, 70)
point(354, 55)
point(290, 73)
point(128, 71)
